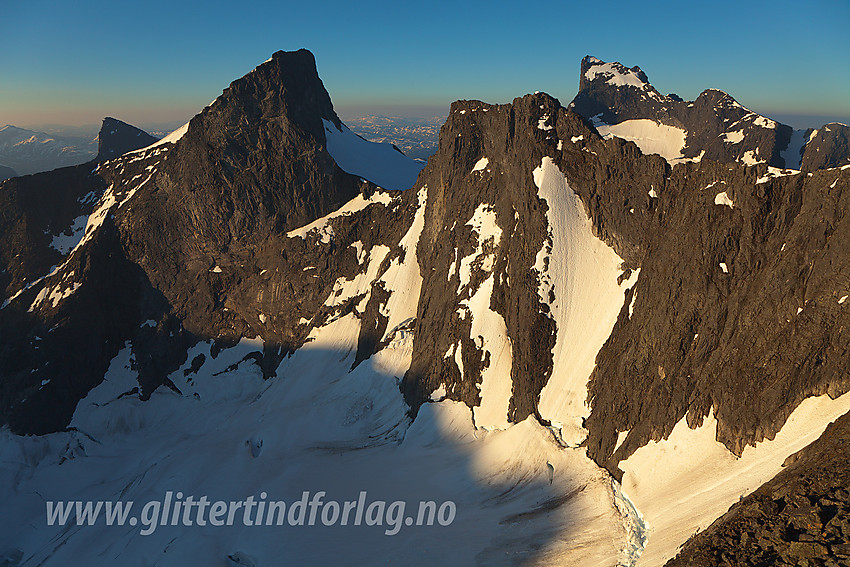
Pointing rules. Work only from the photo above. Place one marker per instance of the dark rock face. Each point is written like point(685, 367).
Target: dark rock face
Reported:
point(256, 155)
point(827, 147)
point(187, 236)
point(36, 211)
point(6, 173)
point(117, 138)
point(55, 353)
point(715, 123)
point(800, 517)
point(700, 337)
point(508, 137)
point(751, 343)
point(250, 167)
point(681, 351)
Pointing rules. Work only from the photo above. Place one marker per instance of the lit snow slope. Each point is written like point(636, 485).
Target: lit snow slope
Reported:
point(381, 164)
point(226, 433)
point(650, 136)
point(583, 273)
point(683, 483)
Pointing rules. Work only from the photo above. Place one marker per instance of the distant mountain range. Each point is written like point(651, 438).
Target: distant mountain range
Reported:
point(621, 102)
point(27, 151)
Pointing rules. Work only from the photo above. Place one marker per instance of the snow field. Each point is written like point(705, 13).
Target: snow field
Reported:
point(582, 272)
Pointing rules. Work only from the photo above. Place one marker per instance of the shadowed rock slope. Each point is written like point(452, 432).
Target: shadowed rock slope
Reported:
point(183, 240)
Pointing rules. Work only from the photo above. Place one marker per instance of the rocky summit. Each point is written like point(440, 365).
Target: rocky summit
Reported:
point(621, 102)
point(592, 328)
point(117, 138)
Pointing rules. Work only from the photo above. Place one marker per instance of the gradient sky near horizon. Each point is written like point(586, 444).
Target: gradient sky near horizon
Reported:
point(162, 61)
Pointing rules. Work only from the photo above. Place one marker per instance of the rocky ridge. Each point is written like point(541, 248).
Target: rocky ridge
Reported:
point(713, 126)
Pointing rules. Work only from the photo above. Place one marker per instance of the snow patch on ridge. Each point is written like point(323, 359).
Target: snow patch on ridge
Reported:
point(171, 138)
point(723, 198)
point(322, 225)
point(481, 164)
point(650, 136)
point(65, 242)
point(749, 157)
point(773, 172)
point(735, 137)
point(615, 75)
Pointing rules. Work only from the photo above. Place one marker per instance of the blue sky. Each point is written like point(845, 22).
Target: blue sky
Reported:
point(161, 61)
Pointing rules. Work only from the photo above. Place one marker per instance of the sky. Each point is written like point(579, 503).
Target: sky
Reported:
point(160, 62)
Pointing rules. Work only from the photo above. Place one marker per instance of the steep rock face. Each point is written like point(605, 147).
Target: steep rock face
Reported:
point(718, 247)
point(249, 167)
point(483, 227)
point(117, 138)
point(260, 148)
point(828, 146)
point(623, 103)
point(42, 217)
point(737, 314)
point(742, 345)
point(764, 269)
point(195, 227)
point(502, 264)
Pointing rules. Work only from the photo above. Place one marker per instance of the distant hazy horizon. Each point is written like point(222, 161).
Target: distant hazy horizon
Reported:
point(798, 121)
point(163, 61)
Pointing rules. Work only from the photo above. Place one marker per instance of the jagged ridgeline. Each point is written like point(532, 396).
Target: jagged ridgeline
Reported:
point(594, 328)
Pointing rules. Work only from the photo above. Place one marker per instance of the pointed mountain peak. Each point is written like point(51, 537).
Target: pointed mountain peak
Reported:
point(117, 137)
point(286, 86)
point(263, 141)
